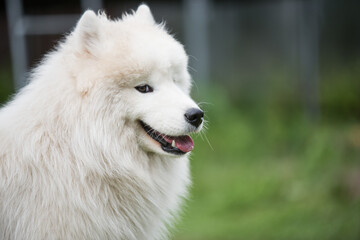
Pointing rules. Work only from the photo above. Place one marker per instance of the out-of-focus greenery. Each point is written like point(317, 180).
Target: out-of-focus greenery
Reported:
point(266, 171)
point(340, 91)
point(6, 84)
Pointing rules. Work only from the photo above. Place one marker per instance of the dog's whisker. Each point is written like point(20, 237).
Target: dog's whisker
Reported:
point(192, 69)
point(207, 140)
point(192, 56)
point(205, 103)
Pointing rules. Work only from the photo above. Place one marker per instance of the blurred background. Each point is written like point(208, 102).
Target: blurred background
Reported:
point(279, 81)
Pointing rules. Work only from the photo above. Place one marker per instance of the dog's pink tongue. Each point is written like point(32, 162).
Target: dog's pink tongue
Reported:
point(184, 143)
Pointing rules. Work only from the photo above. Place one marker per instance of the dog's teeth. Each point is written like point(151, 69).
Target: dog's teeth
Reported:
point(173, 143)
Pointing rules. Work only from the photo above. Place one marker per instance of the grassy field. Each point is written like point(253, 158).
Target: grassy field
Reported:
point(269, 177)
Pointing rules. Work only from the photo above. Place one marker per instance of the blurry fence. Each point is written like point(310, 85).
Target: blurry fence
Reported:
point(250, 44)
point(21, 25)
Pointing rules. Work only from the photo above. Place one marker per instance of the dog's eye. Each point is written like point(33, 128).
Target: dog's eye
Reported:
point(144, 88)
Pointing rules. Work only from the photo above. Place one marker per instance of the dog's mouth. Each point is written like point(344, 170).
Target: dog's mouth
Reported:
point(171, 144)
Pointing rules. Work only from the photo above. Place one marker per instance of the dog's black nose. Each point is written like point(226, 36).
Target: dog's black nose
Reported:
point(194, 116)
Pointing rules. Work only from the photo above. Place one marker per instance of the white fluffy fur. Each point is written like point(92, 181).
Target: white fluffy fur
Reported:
point(74, 161)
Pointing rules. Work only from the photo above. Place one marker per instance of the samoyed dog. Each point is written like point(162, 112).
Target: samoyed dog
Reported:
point(96, 146)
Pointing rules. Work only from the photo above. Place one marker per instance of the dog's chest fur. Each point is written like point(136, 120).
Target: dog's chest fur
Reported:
point(129, 205)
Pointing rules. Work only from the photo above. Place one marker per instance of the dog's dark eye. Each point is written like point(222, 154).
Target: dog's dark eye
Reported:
point(144, 88)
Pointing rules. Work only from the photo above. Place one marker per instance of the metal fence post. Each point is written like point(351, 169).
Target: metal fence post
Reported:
point(21, 25)
point(17, 41)
point(196, 19)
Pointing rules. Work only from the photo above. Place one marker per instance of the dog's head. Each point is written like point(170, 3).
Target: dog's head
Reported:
point(140, 71)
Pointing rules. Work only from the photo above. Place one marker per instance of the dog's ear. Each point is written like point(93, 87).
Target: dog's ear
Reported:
point(143, 12)
point(87, 32)
point(87, 40)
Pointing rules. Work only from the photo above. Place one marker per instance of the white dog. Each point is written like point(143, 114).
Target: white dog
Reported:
point(96, 146)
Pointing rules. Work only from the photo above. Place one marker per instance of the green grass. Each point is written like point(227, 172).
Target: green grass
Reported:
point(6, 85)
point(270, 177)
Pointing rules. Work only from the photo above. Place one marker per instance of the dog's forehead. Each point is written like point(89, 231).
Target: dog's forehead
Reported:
point(158, 46)
point(143, 49)
point(157, 50)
